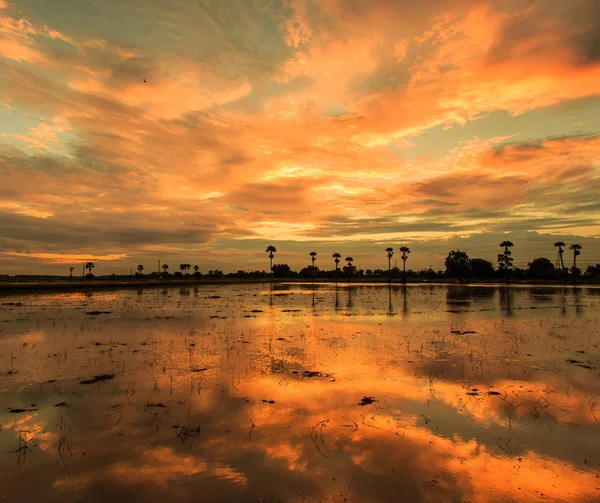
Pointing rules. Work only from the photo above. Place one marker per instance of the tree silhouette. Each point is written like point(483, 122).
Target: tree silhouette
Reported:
point(313, 257)
point(90, 266)
point(349, 260)
point(541, 268)
point(196, 269)
point(165, 268)
point(505, 260)
point(458, 265)
point(182, 267)
point(271, 250)
point(405, 251)
point(390, 253)
point(71, 273)
point(576, 251)
point(560, 245)
point(140, 268)
point(336, 256)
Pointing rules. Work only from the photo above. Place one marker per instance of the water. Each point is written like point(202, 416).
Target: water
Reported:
point(244, 394)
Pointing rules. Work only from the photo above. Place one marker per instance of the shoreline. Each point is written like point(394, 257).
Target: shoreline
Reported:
point(9, 287)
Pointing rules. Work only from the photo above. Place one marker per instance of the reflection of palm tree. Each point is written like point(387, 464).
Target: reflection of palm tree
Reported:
point(405, 251)
point(559, 245)
point(404, 302)
point(271, 250)
point(576, 252)
point(390, 253)
point(336, 257)
point(349, 260)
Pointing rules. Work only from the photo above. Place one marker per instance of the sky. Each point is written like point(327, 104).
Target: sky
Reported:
point(312, 125)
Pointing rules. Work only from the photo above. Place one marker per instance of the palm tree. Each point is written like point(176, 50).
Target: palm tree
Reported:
point(140, 268)
point(336, 257)
point(559, 245)
point(313, 257)
point(390, 253)
point(405, 251)
point(349, 261)
point(165, 268)
point(196, 269)
point(576, 252)
point(182, 267)
point(90, 266)
point(71, 273)
point(505, 259)
point(187, 268)
point(271, 250)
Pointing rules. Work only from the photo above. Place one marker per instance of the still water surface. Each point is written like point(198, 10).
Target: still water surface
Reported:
point(243, 393)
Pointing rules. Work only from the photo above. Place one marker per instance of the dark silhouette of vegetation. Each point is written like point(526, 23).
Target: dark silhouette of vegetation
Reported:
point(457, 265)
point(271, 250)
point(405, 251)
point(71, 273)
point(560, 245)
point(593, 271)
point(390, 254)
point(140, 268)
point(89, 266)
point(282, 271)
point(541, 268)
point(505, 260)
point(336, 256)
point(349, 267)
point(481, 269)
point(576, 251)
point(165, 269)
point(313, 257)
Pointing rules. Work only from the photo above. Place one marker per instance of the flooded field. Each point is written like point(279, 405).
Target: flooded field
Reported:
point(243, 393)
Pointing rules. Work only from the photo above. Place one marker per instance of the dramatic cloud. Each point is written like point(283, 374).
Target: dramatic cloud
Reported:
point(194, 130)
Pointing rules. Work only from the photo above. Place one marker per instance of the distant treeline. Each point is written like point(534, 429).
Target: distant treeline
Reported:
point(458, 265)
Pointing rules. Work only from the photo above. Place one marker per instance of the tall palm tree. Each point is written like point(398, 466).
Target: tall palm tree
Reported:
point(140, 268)
point(182, 268)
point(90, 266)
point(349, 260)
point(405, 251)
point(559, 245)
point(390, 254)
point(505, 259)
point(313, 257)
point(336, 256)
point(576, 252)
point(71, 273)
point(165, 268)
point(196, 269)
point(271, 250)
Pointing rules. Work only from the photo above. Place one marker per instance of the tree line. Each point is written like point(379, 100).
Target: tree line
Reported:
point(458, 265)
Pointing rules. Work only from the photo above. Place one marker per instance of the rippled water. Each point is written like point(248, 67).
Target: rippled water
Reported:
point(300, 393)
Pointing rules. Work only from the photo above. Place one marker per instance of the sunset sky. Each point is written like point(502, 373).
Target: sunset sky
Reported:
point(314, 125)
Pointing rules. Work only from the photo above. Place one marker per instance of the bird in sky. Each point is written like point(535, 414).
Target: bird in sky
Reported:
point(145, 80)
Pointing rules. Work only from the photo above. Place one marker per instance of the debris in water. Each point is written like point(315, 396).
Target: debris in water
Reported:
point(268, 401)
point(367, 400)
point(99, 378)
point(96, 313)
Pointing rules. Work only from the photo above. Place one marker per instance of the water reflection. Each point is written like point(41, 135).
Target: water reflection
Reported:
point(475, 396)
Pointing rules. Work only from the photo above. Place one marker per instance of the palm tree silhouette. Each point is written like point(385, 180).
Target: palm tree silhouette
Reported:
point(390, 254)
point(165, 268)
point(271, 250)
point(182, 267)
point(313, 257)
point(505, 259)
point(196, 269)
point(140, 268)
point(405, 251)
point(559, 245)
point(71, 273)
point(336, 257)
point(349, 261)
point(576, 252)
point(90, 266)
